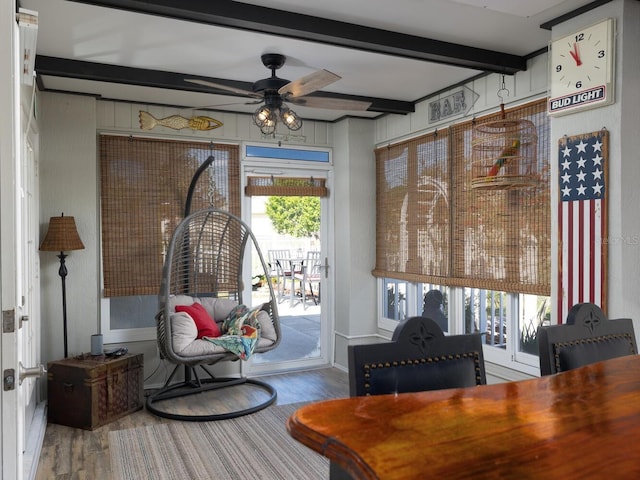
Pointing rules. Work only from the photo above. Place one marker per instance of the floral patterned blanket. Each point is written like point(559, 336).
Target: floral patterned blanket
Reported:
point(240, 331)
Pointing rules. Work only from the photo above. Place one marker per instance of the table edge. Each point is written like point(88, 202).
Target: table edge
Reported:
point(330, 448)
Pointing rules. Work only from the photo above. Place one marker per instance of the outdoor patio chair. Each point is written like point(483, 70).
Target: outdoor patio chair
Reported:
point(587, 337)
point(310, 276)
point(280, 261)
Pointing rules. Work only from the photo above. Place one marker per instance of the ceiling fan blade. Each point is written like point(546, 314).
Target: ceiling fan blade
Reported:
point(218, 105)
point(309, 83)
point(330, 103)
point(219, 86)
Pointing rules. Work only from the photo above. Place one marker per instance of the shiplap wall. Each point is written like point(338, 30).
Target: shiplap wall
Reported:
point(123, 117)
point(523, 86)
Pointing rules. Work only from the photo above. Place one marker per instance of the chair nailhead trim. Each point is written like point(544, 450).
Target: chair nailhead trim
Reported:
point(410, 362)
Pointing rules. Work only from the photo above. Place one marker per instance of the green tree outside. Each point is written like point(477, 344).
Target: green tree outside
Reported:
point(298, 217)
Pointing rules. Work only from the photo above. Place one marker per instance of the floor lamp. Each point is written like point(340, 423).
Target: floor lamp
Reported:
point(62, 236)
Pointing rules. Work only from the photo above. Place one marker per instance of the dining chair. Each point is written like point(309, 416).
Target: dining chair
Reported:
point(279, 264)
point(310, 276)
point(420, 358)
point(586, 337)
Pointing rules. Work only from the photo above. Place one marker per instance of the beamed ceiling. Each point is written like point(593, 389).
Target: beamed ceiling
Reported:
point(388, 53)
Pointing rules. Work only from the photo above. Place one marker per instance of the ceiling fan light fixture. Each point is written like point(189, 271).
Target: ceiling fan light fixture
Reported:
point(266, 119)
point(263, 116)
point(290, 118)
point(269, 126)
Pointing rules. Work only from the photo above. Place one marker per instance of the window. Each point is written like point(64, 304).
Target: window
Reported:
point(489, 247)
point(433, 303)
point(395, 306)
point(402, 300)
point(144, 186)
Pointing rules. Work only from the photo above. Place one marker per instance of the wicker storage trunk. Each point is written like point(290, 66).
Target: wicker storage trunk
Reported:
point(90, 391)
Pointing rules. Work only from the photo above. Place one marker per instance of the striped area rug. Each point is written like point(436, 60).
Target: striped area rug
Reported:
point(255, 446)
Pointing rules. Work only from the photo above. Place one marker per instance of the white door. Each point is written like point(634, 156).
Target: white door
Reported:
point(27, 313)
point(305, 321)
point(11, 451)
point(18, 256)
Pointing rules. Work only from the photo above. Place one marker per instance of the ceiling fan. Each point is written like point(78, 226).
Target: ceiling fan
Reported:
point(275, 91)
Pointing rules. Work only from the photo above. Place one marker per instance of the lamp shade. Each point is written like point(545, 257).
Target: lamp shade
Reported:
point(62, 235)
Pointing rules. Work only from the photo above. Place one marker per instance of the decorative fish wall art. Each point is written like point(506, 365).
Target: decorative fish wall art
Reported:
point(178, 122)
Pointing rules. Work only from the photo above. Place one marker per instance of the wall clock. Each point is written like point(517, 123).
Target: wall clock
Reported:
point(582, 69)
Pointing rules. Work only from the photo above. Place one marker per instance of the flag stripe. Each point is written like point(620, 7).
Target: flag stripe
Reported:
point(579, 239)
point(592, 250)
point(562, 261)
point(598, 257)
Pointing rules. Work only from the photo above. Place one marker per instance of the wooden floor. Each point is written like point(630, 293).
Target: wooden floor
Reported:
point(74, 454)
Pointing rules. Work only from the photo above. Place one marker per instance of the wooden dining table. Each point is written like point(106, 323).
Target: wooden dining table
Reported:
point(580, 424)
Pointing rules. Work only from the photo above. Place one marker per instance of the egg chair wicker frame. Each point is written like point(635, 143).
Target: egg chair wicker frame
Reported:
point(205, 259)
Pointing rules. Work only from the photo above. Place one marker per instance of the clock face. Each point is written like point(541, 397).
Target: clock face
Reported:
point(581, 69)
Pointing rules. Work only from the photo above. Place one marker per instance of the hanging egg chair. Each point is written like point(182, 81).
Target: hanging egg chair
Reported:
point(202, 282)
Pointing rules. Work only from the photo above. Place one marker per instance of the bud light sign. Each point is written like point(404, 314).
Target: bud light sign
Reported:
point(593, 95)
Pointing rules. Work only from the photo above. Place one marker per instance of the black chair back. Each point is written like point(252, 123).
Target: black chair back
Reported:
point(587, 337)
point(421, 358)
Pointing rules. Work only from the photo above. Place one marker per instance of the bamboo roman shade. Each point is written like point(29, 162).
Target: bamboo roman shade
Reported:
point(413, 213)
point(433, 227)
point(144, 184)
point(286, 187)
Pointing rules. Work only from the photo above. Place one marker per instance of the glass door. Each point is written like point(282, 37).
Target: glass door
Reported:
point(292, 234)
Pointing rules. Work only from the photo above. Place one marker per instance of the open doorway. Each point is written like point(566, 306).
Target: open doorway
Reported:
point(291, 232)
point(294, 262)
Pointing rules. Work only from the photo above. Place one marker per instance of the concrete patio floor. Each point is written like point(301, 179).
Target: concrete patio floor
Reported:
point(300, 329)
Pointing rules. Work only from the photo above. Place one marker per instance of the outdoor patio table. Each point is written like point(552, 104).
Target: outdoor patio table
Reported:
point(291, 266)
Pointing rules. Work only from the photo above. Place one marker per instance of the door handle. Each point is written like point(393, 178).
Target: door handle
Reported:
point(24, 372)
point(325, 267)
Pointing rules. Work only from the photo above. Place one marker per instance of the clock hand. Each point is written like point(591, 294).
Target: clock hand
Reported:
point(575, 54)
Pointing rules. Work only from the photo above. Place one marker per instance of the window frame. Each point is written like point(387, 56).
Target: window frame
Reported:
point(509, 357)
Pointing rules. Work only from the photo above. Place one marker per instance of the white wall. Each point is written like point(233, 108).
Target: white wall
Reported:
point(355, 233)
point(119, 117)
point(68, 184)
point(624, 272)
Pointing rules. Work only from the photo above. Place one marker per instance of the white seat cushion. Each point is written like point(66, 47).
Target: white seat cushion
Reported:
point(184, 330)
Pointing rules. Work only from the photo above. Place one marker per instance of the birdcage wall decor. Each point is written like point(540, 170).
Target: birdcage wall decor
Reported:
point(504, 154)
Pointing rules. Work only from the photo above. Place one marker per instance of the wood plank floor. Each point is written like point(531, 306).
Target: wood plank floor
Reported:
point(75, 454)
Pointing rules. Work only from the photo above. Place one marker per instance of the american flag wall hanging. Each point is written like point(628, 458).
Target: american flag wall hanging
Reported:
point(582, 218)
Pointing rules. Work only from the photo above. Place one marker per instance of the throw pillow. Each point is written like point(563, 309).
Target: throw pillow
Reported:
point(205, 324)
